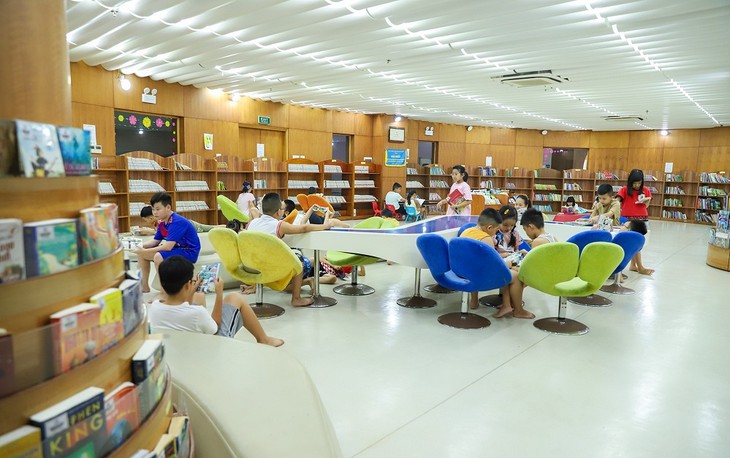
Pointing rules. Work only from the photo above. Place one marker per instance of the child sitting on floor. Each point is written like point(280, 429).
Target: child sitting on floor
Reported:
point(184, 309)
point(487, 226)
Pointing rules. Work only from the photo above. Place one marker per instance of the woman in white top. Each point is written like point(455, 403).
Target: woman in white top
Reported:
point(247, 201)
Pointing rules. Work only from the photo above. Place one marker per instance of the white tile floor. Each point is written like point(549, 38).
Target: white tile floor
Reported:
point(650, 379)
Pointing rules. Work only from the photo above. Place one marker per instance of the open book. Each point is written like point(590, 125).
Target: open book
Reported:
point(209, 273)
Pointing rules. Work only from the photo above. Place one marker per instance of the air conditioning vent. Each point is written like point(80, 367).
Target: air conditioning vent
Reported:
point(623, 118)
point(531, 79)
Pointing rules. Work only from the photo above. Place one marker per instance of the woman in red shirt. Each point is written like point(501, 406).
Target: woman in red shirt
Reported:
point(634, 198)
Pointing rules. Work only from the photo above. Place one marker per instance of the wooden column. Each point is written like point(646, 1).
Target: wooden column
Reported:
point(34, 66)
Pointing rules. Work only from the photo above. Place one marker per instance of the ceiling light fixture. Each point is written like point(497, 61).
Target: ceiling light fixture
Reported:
point(469, 128)
point(235, 97)
point(124, 83)
point(664, 132)
point(398, 118)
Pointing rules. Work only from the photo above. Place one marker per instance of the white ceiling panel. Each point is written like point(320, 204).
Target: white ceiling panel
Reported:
point(431, 60)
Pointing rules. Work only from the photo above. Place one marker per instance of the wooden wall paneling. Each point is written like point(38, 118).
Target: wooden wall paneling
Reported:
point(378, 147)
point(313, 119)
point(362, 145)
point(315, 146)
point(645, 158)
point(681, 138)
point(225, 137)
point(92, 85)
point(683, 158)
point(503, 156)
point(717, 136)
point(364, 125)
point(451, 133)
point(343, 122)
point(713, 159)
point(247, 140)
point(612, 159)
point(529, 137)
point(249, 110)
point(502, 136)
point(390, 175)
point(610, 139)
point(205, 104)
point(529, 157)
point(645, 139)
point(479, 135)
point(274, 144)
point(100, 116)
point(476, 153)
point(419, 129)
point(169, 97)
point(560, 139)
point(450, 154)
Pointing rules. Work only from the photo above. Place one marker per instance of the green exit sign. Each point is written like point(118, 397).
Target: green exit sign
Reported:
point(265, 120)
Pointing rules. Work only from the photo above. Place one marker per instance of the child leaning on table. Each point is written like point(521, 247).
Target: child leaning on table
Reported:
point(534, 226)
point(487, 226)
point(184, 308)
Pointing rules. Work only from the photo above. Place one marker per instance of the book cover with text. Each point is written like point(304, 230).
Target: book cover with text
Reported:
point(122, 414)
point(131, 303)
point(75, 150)
point(24, 442)
point(72, 410)
point(99, 236)
point(50, 246)
point(38, 150)
point(12, 254)
point(111, 320)
point(76, 336)
point(84, 439)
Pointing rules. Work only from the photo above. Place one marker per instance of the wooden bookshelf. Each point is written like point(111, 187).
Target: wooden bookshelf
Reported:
point(193, 168)
point(273, 173)
point(365, 209)
point(337, 186)
point(713, 189)
point(547, 188)
point(235, 171)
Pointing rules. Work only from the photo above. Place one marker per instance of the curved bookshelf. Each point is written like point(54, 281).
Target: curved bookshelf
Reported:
point(35, 199)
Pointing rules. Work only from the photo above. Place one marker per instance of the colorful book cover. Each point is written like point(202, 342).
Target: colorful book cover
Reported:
point(8, 149)
point(12, 255)
point(72, 410)
point(150, 391)
point(99, 235)
point(111, 321)
point(455, 197)
point(122, 415)
point(208, 273)
point(148, 357)
point(38, 150)
point(83, 439)
point(131, 303)
point(75, 150)
point(7, 363)
point(50, 246)
point(24, 442)
point(76, 336)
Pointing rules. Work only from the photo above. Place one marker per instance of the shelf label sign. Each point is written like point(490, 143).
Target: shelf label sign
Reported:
point(265, 120)
point(395, 157)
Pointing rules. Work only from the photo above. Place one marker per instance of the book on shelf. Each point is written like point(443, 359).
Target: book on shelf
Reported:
point(8, 149)
point(148, 357)
point(75, 147)
point(180, 429)
point(98, 230)
point(12, 254)
point(111, 322)
point(208, 274)
point(131, 289)
point(72, 410)
point(150, 391)
point(23, 442)
point(76, 337)
point(7, 364)
point(84, 438)
point(167, 446)
point(38, 150)
point(122, 414)
point(50, 246)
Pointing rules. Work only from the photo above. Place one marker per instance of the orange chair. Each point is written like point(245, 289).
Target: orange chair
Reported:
point(303, 201)
point(376, 210)
point(314, 199)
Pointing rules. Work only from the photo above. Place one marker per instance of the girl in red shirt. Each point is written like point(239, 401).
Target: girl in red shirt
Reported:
point(634, 198)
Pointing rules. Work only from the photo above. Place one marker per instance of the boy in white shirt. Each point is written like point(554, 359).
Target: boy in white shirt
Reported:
point(184, 308)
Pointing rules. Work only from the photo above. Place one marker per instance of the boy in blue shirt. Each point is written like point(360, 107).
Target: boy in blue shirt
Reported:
point(175, 236)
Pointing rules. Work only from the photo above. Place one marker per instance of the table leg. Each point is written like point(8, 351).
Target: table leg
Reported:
point(319, 300)
point(416, 301)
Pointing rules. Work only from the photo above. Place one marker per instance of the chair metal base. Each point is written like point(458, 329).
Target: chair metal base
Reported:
point(493, 300)
point(416, 302)
point(353, 290)
point(562, 326)
point(461, 320)
point(593, 300)
point(615, 288)
point(321, 302)
point(438, 289)
point(265, 310)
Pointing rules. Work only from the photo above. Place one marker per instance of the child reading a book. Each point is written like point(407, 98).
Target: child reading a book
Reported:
point(507, 239)
point(487, 226)
point(572, 207)
point(394, 198)
point(184, 309)
point(175, 236)
point(635, 199)
point(606, 206)
point(534, 226)
point(271, 223)
point(459, 198)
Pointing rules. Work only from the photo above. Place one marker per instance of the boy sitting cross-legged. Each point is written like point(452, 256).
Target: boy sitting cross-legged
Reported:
point(184, 308)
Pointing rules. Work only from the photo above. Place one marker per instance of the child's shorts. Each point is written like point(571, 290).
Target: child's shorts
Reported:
point(190, 255)
point(307, 269)
point(231, 321)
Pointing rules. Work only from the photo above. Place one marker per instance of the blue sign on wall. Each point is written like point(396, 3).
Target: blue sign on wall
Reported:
point(395, 157)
